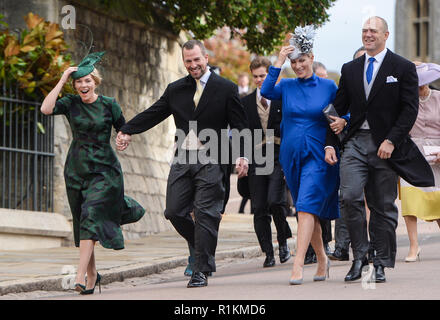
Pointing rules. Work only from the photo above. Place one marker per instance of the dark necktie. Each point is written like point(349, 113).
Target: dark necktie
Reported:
point(264, 103)
point(370, 69)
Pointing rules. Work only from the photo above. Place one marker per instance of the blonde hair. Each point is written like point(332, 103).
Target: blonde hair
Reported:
point(96, 76)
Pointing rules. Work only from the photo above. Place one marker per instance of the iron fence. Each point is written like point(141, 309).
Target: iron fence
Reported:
point(26, 153)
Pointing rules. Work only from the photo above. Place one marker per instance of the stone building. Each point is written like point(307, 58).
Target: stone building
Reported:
point(418, 27)
point(140, 61)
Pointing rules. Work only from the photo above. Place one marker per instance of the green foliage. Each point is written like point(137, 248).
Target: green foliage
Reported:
point(262, 24)
point(35, 58)
point(228, 54)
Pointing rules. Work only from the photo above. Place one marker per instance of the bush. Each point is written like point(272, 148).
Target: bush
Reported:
point(35, 58)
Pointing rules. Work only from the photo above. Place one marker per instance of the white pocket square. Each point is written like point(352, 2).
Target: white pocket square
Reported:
point(391, 79)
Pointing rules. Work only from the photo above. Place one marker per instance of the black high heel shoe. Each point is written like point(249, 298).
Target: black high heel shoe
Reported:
point(91, 291)
point(79, 287)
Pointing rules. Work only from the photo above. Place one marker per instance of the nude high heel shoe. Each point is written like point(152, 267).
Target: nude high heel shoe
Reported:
point(295, 282)
point(327, 273)
point(414, 259)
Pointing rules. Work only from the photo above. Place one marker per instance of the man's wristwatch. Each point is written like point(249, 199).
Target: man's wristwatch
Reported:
point(389, 141)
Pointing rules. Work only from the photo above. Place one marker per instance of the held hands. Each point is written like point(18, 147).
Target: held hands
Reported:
point(338, 125)
point(242, 166)
point(330, 156)
point(385, 150)
point(122, 141)
point(284, 52)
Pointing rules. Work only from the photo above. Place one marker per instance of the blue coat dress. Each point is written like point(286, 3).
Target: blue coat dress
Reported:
point(314, 184)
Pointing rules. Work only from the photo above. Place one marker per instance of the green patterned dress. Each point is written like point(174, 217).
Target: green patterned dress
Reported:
point(92, 172)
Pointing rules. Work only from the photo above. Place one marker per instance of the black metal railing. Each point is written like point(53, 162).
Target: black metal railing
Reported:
point(26, 153)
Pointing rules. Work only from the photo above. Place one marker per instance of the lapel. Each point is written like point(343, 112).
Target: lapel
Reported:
point(208, 91)
point(187, 97)
point(274, 104)
point(385, 70)
point(254, 109)
point(359, 77)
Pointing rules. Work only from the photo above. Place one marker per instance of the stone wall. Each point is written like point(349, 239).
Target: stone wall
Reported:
point(405, 38)
point(139, 63)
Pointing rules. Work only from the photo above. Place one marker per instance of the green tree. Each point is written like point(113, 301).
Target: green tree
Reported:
point(228, 54)
point(262, 24)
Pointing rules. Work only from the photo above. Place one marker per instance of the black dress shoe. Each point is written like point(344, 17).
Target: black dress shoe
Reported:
point(198, 279)
point(269, 261)
point(327, 249)
point(310, 258)
point(355, 272)
point(284, 253)
point(380, 274)
point(339, 255)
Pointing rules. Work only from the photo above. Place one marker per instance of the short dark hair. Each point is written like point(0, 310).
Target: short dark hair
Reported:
point(190, 44)
point(317, 65)
point(357, 51)
point(260, 62)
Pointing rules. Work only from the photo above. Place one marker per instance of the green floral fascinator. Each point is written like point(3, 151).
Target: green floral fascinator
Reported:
point(87, 65)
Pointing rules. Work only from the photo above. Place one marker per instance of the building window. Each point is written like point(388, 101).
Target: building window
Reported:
point(421, 29)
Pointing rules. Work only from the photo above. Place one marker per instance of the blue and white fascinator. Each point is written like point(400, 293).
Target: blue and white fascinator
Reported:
point(302, 41)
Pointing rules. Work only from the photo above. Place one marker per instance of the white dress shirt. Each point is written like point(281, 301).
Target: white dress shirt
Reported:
point(376, 66)
point(204, 79)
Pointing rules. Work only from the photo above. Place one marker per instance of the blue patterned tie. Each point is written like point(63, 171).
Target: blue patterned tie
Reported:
point(370, 69)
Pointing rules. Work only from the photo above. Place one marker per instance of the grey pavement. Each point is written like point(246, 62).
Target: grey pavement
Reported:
point(54, 269)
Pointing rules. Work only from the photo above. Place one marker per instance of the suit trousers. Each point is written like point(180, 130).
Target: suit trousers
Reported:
point(199, 188)
point(363, 172)
point(268, 199)
point(342, 237)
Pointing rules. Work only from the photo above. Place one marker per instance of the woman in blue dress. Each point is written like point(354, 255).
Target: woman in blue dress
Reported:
point(313, 183)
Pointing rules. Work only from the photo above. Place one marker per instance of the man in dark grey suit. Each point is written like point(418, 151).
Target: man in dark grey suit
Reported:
point(200, 102)
point(380, 90)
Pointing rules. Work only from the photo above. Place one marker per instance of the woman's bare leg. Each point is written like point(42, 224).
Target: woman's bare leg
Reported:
point(318, 246)
point(411, 227)
point(85, 253)
point(306, 224)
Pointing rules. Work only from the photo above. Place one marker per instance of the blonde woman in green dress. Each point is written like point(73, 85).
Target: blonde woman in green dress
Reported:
point(92, 172)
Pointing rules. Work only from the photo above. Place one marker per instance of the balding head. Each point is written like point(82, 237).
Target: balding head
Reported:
point(374, 35)
point(379, 22)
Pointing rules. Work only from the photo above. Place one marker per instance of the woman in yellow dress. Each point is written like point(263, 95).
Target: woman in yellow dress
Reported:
point(424, 203)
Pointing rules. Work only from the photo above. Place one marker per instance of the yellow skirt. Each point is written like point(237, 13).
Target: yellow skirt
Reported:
point(424, 203)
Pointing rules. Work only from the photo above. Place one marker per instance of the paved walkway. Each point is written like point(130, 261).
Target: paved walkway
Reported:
point(54, 269)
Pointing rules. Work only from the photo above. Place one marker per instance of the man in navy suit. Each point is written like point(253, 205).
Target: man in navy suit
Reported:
point(267, 191)
point(200, 102)
point(380, 90)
